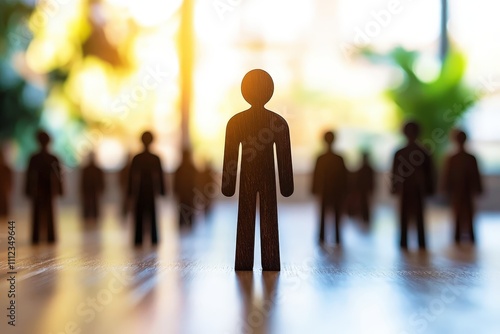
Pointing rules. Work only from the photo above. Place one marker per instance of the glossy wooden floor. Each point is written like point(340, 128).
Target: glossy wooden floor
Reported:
point(96, 282)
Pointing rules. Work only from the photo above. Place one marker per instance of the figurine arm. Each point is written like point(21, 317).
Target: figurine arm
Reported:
point(28, 186)
point(395, 178)
point(315, 189)
point(131, 178)
point(284, 157)
point(477, 178)
point(58, 176)
point(230, 165)
point(161, 179)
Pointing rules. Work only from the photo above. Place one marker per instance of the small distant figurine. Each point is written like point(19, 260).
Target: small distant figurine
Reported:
point(185, 184)
point(5, 186)
point(412, 180)
point(259, 132)
point(329, 183)
point(43, 184)
point(364, 185)
point(91, 189)
point(461, 183)
point(126, 205)
point(145, 182)
point(207, 182)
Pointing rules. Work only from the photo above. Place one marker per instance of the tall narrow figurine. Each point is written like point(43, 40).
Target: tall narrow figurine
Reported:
point(145, 182)
point(259, 132)
point(462, 182)
point(330, 185)
point(412, 180)
point(43, 184)
point(91, 189)
point(5, 186)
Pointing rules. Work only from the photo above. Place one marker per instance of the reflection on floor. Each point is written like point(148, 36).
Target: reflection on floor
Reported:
point(96, 282)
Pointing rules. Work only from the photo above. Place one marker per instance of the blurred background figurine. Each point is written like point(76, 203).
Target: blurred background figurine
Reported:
point(5, 185)
point(145, 182)
point(43, 184)
point(330, 180)
point(123, 179)
point(91, 189)
point(186, 179)
point(461, 183)
point(412, 179)
point(364, 186)
point(208, 187)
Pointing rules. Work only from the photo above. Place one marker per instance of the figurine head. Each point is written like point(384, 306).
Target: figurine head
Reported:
point(460, 138)
point(43, 139)
point(329, 138)
point(257, 87)
point(147, 139)
point(411, 130)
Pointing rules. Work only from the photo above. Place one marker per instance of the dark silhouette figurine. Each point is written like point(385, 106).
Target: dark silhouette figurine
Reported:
point(259, 132)
point(91, 189)
point(412, 180)
point(207, 182)
point(5, 186)
point(330, 185)
point(43, 184)
point(145, 182)
point(462, 182)
point(364, 185)
point(185, 184)
point(123, 176)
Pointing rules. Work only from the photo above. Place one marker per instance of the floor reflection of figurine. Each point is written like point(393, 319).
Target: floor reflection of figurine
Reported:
point(43, 184)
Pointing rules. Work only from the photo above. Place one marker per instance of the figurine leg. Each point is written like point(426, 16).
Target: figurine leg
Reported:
point(51, 235)
point(138, 224)
point(404, 227)
point(269, 235)
point(245, 235)
point(154, 229)
point(35, 233)
point(419, 214)
point(322, 222)
point(338, 217)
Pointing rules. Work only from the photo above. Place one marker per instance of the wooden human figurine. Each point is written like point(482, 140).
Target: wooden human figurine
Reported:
point(43, 184)
point(412, 180)
point(330, 186)
point(259, 132)
point(5, 186)
point(123, 177)
point(91, 189)
point(461, 183)
point(364, 185)
point(146, 181)
point(185, 184)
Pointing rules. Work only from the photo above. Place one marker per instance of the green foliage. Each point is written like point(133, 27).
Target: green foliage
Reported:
point(20, 102)
point(438, 104)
